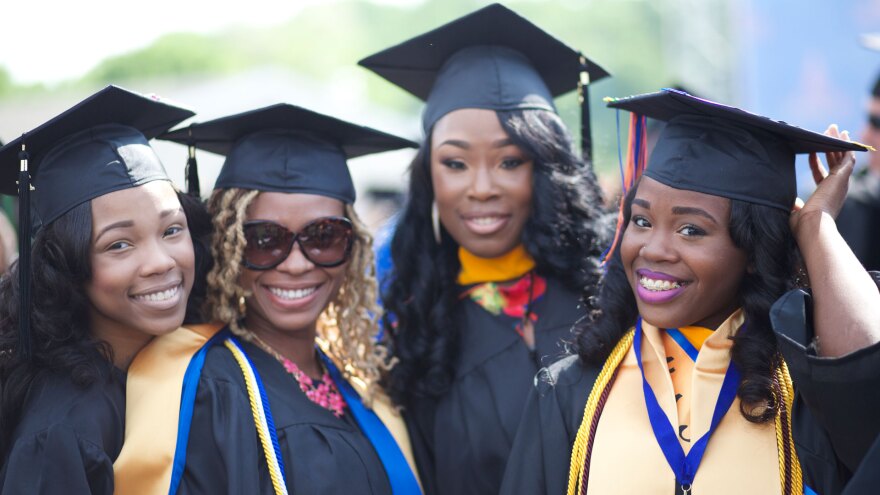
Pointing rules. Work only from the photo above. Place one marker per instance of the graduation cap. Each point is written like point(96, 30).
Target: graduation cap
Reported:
point(96, 147)
point(492, 58)
point(286, 148)
point(724, 151)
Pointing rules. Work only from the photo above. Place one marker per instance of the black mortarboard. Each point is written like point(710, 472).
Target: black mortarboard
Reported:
point(492, 58)
point(285, 148)
point(96, 147)
point(724, 151)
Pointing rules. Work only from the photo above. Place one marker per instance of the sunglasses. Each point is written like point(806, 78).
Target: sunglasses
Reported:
point(874, 121)
point(325, 242)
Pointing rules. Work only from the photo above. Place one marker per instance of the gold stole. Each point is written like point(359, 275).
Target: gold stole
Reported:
point(152, 410)
point(508, 266)
point(624, 456)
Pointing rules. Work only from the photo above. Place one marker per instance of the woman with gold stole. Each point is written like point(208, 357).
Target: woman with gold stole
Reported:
point(110, 267)
point(285, 398)
point(707, 370)
point(498, 239)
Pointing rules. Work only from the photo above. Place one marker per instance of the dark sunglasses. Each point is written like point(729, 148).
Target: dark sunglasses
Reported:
point(874, 121)
point(325, 242)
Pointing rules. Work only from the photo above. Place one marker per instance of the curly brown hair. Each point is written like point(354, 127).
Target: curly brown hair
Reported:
point(347, 328)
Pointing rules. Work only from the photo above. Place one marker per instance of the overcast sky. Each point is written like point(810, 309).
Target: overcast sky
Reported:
point(50, 41)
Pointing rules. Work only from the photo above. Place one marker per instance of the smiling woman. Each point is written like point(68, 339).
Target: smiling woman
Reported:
point(110, 268)
point(290, 387)
point(706, 360)
point(500, 236)
point(142, 266)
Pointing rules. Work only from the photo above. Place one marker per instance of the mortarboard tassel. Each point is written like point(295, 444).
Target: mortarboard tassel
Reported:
point(636, 161)
point(24, 256)
point(584, 102)
point(193, 188)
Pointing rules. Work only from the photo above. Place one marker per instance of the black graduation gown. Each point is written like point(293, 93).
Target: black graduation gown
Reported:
point(835, 417)
point(866, 480)
point(68, 437)
point(859, 219)
point(462, 441)
point(321, 453)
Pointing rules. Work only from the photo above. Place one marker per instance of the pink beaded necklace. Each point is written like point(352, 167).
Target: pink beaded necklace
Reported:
point(324, 394)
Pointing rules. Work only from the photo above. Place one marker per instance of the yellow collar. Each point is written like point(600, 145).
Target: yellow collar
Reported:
point(511, 265)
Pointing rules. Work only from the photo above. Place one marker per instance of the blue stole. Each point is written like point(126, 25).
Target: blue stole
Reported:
point(187, 404)
point(401, 477)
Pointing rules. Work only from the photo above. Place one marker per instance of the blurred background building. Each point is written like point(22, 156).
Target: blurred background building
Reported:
point(798, 61)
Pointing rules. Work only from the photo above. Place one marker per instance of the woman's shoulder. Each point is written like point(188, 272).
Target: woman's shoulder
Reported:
point(566, 373)
point(94, 413)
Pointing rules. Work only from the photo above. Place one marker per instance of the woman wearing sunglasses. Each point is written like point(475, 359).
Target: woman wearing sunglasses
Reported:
point(287, 399)
point(498, 239)
point(706, 371)
point(111, 266)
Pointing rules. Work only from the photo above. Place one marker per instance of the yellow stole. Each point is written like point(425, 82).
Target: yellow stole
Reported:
point(511, 265)
point(624, 441)
point(152, 410)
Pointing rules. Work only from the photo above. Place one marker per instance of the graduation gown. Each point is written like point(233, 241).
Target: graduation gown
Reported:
point(859, 219)
point(321, 453)
point(835, 416)
point(463, 439)
point(68, 437)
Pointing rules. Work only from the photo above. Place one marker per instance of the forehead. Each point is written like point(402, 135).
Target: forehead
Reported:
point(141, 202)
point(468, 124)
point(662, 197)
point(293, 210)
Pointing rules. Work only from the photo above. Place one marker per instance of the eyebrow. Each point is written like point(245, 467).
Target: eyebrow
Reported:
point(503, 142)
point(689, 210)
point(678, 210)
point(457, 143)
point(125, 224)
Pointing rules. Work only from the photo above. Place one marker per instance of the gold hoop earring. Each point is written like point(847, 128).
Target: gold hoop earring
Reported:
point(435, 221)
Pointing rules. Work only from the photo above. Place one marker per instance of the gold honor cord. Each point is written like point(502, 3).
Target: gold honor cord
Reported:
point(584, 437)
point(791, 476)
point(259, 417)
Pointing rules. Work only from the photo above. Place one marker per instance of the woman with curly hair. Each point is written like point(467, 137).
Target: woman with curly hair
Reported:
point(110, 267)
point(498, 239)
point(288, 396)
point(706, 370)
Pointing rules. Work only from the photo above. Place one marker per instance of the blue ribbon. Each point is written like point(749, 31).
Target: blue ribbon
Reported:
point(401, 477)
point(684, 343)
point(684, 466)
point(187, 403)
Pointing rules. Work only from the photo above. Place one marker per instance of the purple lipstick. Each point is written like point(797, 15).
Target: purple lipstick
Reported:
point(656, 288)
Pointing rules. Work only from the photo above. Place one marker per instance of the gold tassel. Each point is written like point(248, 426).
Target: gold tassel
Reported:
point(784, 436)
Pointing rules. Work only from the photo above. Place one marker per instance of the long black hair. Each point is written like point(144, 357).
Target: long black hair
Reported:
point(61, 339)
point(562, 234)
point(763, 233)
